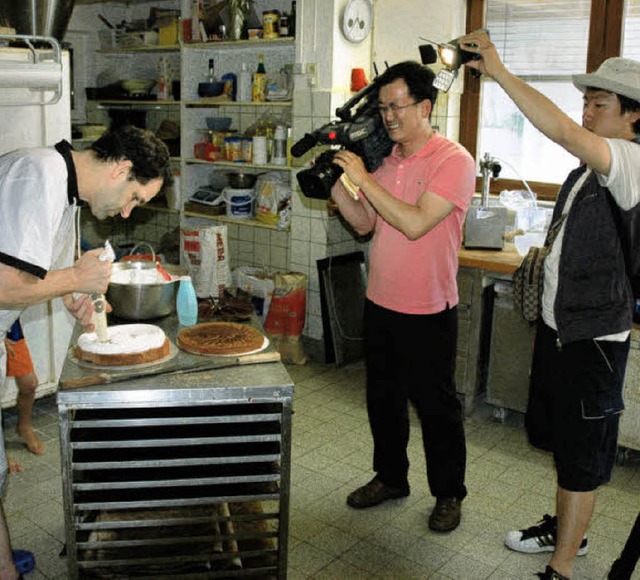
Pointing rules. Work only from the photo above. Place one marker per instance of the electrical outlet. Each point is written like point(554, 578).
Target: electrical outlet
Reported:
point(312, 72)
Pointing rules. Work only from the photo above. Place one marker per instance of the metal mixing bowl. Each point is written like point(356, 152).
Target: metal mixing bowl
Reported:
point(241, 180)
point(144, 301)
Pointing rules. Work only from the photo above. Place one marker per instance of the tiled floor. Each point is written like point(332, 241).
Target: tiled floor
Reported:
point(510, 486)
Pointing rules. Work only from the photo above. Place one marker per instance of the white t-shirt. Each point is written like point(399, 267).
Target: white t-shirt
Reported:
point(36, 218)
point(623, 182)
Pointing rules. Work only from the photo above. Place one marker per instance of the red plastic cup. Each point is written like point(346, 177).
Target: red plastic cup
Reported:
point(358, 80)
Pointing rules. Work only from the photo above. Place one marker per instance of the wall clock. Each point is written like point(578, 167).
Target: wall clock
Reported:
point(356, 20)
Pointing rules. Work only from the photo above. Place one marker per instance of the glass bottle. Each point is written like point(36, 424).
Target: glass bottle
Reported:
point(259, 88)
point(187, 302)
point(292, 19)
point(212, 76)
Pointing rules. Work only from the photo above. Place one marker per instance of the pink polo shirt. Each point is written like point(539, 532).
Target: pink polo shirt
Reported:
point(419, 277)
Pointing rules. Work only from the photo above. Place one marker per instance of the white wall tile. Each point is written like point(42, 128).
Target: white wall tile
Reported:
point(318, 230)
point(301, 229)
point(300, 254)
point(313, 327)
point(279, 239)
point(321, 103)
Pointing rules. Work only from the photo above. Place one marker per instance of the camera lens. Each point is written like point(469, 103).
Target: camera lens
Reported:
point(317, 181)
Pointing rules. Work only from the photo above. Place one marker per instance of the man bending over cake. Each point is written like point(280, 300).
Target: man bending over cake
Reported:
point(40, 191)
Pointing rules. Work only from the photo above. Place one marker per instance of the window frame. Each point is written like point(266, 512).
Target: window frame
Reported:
point(605, 40)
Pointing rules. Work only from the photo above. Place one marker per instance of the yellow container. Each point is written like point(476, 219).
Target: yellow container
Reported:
point(168, 33)
point(270, 20)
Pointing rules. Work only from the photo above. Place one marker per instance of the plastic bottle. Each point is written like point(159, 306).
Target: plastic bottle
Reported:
point(259, 88)
point(164, 80)
point(244, 84)
point(279, 153)
point(187, 303)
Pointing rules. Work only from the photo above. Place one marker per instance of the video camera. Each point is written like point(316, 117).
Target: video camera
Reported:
point(360, 130)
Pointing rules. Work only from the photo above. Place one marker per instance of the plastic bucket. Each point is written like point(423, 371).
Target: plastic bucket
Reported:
point(239, 202)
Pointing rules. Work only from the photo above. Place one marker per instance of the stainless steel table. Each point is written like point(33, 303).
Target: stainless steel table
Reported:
point(177, 475)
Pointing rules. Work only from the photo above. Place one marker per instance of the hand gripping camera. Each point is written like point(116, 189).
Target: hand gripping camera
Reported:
point(359, 129)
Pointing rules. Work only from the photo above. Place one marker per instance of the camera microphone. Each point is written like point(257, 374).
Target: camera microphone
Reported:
point(299, 148)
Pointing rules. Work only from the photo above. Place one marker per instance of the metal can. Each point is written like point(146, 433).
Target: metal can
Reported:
point(270, 19)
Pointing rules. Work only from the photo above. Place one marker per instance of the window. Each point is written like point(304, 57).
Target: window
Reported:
point(631, 30)
point(544, 43)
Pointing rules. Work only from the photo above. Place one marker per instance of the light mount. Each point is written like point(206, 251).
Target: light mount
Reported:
point(452, 58)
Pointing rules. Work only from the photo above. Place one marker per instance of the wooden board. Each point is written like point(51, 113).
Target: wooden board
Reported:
point(502, 261)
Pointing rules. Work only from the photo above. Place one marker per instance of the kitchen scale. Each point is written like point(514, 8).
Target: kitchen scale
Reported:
point(207, 196)
point(484, 225)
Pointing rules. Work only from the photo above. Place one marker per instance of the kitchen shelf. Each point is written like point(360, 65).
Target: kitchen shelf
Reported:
point(142, 48)
point(137, 103)
point(211, 102)
point(251, 222)
point(231, 44)
point(240, 165)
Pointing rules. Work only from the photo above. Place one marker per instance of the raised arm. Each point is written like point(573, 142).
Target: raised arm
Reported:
point(543, 114)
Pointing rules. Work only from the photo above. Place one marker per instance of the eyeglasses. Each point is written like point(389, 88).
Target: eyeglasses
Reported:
point(394, 109)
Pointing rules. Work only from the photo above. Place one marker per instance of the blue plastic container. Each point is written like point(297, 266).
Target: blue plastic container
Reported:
point(187, 302)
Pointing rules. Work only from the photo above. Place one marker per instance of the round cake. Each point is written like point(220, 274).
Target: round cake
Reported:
point(221, 338)
point(129, 344)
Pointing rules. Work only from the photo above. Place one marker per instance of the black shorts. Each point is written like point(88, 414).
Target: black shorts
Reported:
point(575, 402)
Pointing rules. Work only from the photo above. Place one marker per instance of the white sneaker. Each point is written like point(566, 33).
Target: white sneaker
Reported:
point(539, 538)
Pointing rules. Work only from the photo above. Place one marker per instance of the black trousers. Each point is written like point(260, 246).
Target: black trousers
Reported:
point(412, 357)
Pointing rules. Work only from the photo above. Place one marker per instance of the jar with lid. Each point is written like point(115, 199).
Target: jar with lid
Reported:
point(270, 21)
point(283, 25)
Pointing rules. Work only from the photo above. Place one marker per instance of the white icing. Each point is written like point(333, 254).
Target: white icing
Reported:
point(124, 339)
point(134, 276)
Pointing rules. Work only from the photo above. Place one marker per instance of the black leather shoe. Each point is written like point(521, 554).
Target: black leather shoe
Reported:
point(374, 493)
point(551, 574)
point(445, 516)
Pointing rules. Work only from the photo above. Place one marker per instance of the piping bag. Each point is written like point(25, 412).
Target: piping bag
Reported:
point(99, 303)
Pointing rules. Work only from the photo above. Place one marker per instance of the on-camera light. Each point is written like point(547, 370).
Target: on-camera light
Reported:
point(452, 57)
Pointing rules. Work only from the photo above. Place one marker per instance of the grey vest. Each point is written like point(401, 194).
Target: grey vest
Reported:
point(594, 295)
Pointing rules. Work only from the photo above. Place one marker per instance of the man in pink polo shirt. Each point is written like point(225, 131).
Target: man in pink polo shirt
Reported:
point(414, 205)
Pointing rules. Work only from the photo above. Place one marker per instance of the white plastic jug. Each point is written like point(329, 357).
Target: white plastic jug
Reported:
point(239, 202)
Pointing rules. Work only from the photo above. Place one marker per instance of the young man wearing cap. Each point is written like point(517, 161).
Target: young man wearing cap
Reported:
point(582, 341)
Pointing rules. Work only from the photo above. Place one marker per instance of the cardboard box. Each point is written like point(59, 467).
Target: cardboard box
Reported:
point(133, 39)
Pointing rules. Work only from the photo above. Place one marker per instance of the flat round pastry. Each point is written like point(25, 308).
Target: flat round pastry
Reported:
point(221, 338)
point(129, 344)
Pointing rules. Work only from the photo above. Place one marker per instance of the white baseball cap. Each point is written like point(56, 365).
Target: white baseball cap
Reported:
point(616, 75)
